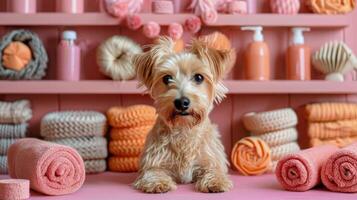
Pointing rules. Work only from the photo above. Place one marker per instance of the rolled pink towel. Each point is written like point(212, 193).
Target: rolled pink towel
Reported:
point(51, 168)
point(339, 172)
point(14, 189)
point(301, 171)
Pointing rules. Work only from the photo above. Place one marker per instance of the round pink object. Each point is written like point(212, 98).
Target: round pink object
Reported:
point(163, 7)
point(238, 7)
point(175, 31)
point(14, 189)
point(151, 30)
point(285, 6)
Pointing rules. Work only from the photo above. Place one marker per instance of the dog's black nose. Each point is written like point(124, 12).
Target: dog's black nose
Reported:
point(182, 104)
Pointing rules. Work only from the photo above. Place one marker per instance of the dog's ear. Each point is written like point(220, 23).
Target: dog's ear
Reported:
point(146, 62)
point(217, 60)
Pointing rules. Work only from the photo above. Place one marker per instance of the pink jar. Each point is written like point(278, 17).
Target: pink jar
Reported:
point(21, 6)
point(70, 6)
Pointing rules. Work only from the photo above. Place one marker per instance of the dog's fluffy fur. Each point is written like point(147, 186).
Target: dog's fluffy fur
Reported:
point(183, 148)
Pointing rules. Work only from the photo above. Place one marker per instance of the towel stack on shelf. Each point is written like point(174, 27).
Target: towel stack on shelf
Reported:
point(130, 127)
point(13, 125)
point(82, 130)
point(332, 123)
point(277, 129)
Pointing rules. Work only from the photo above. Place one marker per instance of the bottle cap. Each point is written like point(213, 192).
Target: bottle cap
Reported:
point(69, 35)
point(258, 35)
point(298, 36)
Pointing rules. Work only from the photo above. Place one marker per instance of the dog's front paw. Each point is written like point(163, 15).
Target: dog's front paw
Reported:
point(214, 184)
point(155, 184)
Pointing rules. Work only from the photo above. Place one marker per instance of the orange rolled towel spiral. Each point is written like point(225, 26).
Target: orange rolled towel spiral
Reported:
point(251, 156)
point(123, 164)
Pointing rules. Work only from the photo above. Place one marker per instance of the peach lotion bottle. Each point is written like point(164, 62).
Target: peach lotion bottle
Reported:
point(257, 56)
point(298, 57)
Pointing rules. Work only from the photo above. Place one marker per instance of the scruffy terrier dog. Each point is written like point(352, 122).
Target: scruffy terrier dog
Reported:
point(184, 146)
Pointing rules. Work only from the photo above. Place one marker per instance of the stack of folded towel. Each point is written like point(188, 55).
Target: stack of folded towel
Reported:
point(130, 127)
point(332, 123)
point(277, 129)
point(81, 130)
point(13, 125)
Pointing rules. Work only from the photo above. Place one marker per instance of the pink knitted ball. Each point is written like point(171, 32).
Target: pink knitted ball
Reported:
point(151, 29)
point(175, 31)
point(134, 22)
point(193, 24)
point(285, 6)
point(209, 17)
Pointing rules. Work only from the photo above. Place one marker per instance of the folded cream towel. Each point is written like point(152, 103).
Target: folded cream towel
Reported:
point(280, 137)
point(13, 130)
point(95, 166)
point(15, 112)
point(3, 164)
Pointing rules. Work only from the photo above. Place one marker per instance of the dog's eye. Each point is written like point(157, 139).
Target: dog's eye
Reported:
point(198, 78)
point(167, 79)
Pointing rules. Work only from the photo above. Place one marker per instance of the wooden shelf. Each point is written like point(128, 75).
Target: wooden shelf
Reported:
point(130, 87)
point(102, 19)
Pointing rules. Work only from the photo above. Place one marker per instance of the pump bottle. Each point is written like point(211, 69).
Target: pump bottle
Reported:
point(257, 56)
point(298, 57)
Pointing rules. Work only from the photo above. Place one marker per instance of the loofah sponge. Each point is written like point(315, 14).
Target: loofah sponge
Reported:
point(282, 150)
point(67, 124)
point(126, 148)
point(251, 156)
point(280, 137)
point(138, 115)
point(134, 133)
point(274, 120)
point(125, 164)
point(15, 112)
point(95, 166)
point(16, 56)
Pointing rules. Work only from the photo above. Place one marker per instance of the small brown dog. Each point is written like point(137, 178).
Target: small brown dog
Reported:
point(184, 146)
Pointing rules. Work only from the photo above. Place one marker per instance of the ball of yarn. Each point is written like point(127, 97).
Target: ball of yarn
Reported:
point(138, 115)
point(123, 164)
point(331, 6)
point(251, 156)
point(134, 22)
point(193, 24)
point(16, 56)
point(151, 29)
point(285, 6)
point(175, 31)
point(114, 56)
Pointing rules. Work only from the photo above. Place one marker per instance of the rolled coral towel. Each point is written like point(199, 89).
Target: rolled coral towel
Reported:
point(52, 169)
point(5, 144)
point(330, 130)
point(251, 156)
point(301, 171)
point(14, 189)
point(138, 115)
point(339, 142)
point(339, 172)
point(13, 130)
point(280, 137)
point(15, 112)
point(324, 112)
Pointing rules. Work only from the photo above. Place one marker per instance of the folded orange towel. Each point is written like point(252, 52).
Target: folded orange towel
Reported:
point(133, 133)
point(126, 148)
point(330, 130)
point(340, 142)
point(123, 164)
point(323, 112)
point(251, 156)
point(138, 115)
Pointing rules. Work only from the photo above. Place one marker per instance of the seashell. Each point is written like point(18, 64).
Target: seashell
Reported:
point(334, 59)
point(287, 7)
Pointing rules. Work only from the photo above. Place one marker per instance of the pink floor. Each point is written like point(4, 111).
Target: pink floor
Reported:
point(116, 186)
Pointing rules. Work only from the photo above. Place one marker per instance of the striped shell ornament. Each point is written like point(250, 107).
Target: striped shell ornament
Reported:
point(287, 7)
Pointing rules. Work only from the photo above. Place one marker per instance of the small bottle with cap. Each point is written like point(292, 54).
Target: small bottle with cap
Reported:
point(68, 57)
point(257, 56)
point(298, 57)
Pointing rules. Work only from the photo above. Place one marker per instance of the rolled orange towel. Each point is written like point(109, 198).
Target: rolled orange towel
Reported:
point(132, 133)
point(301, 171)
point(123, 164)
point(127, 148)
point(251, 156)
point(324, 112)
point(138, 115)
point(330, 130)
point(340, 142)
point(339, 172)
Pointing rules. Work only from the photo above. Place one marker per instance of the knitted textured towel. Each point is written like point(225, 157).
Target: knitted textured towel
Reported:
point(340, 142)
point(123, 164)
point(301, 171)
point(13, 130)
point(5, 144)
point(269, 121)
point(134, 133)
point(95, 166)
point(3, 164)
point(251, 156)
point(138, 115)
point(279, 137)
point(15, 112)
point(330, 130)
point(73, 124)
point(323, 112)
point(279, 151)
point(126, 148)
point(88, 147)
point(338, 173)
